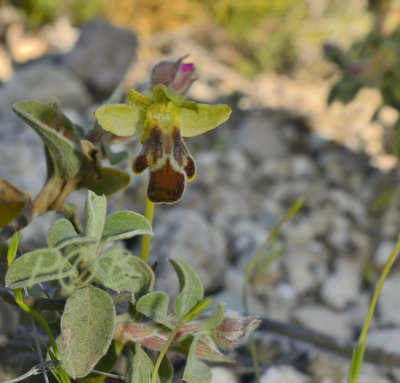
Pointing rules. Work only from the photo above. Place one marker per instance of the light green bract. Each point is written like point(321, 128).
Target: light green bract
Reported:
point(162, 121)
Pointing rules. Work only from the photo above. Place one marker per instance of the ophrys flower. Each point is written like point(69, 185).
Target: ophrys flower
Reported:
point(162, 121)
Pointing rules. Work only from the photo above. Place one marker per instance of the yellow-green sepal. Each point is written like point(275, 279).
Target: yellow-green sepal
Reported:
point(192, 122)
point(138, 99)
point(123, 120)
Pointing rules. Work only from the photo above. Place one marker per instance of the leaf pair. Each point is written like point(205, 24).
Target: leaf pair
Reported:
point(70, 253)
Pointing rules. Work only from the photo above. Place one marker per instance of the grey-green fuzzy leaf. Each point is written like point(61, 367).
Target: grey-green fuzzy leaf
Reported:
point(66, 159)
point(125, 224)
point(155, 306)
point(38, 266)
point(62, 234)
point(142, 367)
point(87, 328)
point(191, 289)
point(95, 213)
point(196, 371)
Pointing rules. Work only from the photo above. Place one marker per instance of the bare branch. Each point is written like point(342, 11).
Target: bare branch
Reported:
point(339, 346)
point(52, 304)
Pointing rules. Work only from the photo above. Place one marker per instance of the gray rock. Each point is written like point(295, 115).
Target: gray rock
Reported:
point(342, 287)
point(385, 339)
point(27, 171)
point(330, 368)
point(207, 173)
point(258, 136)
point(305, 267)
point(186, 234)
point(9, 319)
point(389, 300)
point(246, 238)
point(284, 374)
point(303, 166)
point(382, 252)
point(321, 318)
point(40, 81)
point(234, 167)
point(101, 56)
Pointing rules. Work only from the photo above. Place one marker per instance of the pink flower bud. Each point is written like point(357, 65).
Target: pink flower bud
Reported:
point(234, 329)
point(173, 74)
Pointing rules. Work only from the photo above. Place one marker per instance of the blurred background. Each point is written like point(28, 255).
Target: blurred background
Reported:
point(314, 88)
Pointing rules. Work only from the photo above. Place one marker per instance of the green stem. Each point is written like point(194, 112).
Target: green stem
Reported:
point(359, 352)
point(197, 309)
point(38, 317)
point(149, 213)
point(164, 350)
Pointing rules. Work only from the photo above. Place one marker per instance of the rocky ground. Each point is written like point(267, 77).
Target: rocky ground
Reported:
point(281, 143)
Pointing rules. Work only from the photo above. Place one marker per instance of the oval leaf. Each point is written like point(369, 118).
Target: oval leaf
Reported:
point(191, 289)
point(125, 224)
point(44, 120)
point(62, 233)
point(38, 266)
point(95, 214)
point(207, 117)
point(87, 328)
point(115, 270)
point(155, 306)
point(121, 271)
point(120, 119)
point(196, 371)
point(142, 367)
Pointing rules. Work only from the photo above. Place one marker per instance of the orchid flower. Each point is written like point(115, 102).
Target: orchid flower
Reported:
point(162, 121)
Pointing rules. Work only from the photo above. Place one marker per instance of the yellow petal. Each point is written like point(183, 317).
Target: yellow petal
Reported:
point(192, 123)
point(121, 119)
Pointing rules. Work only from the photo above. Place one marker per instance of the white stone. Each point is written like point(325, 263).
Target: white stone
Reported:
point(389, 300)
point(387, 339)
point(302, 166)
point(283, 374)
point(343, 286)
point(258, 136)
point(382, 252)
point(222, 375)
point(321, 318)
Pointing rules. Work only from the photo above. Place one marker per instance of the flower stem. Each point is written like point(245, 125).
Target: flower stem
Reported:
point(144, 249)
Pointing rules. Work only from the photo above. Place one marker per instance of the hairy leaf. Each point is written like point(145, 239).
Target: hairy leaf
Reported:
point(155, 306)
point(196, 371)
point(142, 367)
point(125, 224)
point(95, 213)
point(191, 289)
point(44, 119)
point(62, 233)
point(38, 266)
point(87, 328)
point(117, 270)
